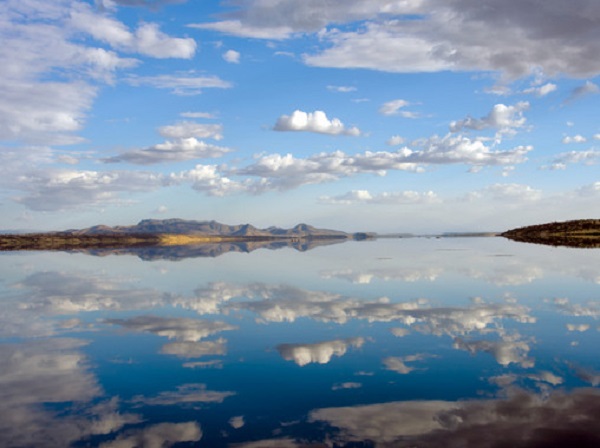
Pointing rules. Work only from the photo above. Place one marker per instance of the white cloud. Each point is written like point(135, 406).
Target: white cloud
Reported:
point(452, 149)
point(574, 139)
point(320, 352)
point(505, 119)
point(208, 179)
point(588, 157)
point(393, 108)
point(232, 56)
point(147, 39)
point(52, 190)
point(596, 136)
point(262, 19)
point(316, 121)
point(237, 28)
point(541, 90)
point(180, 84)
point(206, 115)
point(395, 140)
point(44, 113)
point(452, 35)
point(187, 129)
point(391, 198)
point(171, 151)
point(342, 89)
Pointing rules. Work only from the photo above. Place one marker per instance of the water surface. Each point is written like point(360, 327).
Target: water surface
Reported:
point(398, 342)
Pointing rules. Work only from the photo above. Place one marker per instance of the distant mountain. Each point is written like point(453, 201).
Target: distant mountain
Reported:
point(209, 228)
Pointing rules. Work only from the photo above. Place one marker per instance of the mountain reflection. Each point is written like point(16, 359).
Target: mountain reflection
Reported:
point(174, 253)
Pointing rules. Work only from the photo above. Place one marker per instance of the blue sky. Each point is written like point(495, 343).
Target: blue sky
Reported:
point(379, 115)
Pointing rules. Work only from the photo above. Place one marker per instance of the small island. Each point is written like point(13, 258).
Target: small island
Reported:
point(582, 233)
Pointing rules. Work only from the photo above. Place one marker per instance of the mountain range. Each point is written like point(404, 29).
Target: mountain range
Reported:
point(210, 228)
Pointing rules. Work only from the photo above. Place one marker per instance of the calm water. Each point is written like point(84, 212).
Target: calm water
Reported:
point(457, 342)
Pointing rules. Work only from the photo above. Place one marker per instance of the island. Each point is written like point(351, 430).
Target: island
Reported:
point(176, 238)
point(581, 233)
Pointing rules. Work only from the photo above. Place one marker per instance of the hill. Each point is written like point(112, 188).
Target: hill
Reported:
point(583, 233)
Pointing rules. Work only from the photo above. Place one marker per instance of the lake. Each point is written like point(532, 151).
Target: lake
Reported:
point(414, 342)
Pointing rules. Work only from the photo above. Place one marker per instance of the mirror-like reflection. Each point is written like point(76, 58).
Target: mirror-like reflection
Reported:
point(456, 342)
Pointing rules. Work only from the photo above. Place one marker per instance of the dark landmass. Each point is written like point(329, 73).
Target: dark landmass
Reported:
point(582, 233)
point(176, 239)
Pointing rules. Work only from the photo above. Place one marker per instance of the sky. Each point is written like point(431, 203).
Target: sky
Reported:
point(357, 115)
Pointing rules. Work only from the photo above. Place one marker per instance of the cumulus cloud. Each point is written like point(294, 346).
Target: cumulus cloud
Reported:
point(280, 172)
point(453, 35)
point(232, 56)
point(574, 139)
point(508, 192)
point(320, 352)
point(53, 190)
point(395, 140)
point(147, 39)
point(171, 151)
point(588, 157)
point(391, 198)
point(316, 121)
point(505, 119)
point(181, 84)
point(188, 129)
point(541, 90)
point(394, 108)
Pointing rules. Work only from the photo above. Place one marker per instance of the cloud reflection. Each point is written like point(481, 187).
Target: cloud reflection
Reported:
point(521, 419)
point(162, 435)
point(320, 352)
point(52, 371)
